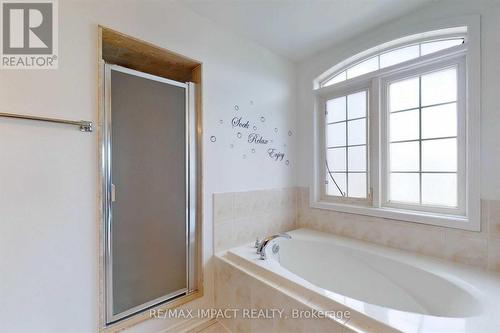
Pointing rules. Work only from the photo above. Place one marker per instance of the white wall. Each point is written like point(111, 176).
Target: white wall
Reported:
point(417, 21)
point(49, 173)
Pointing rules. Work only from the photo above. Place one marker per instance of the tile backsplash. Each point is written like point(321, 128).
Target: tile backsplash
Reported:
point(240, 217)
point(480, 249)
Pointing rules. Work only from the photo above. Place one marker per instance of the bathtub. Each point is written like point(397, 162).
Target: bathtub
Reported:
point(384, 289)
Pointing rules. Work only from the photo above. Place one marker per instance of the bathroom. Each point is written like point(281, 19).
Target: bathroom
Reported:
point(304, 185)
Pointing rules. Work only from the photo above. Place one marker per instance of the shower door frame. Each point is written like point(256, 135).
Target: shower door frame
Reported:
point(106, 195)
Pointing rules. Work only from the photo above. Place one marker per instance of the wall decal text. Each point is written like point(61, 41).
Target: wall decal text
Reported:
point(257, 138)
point(238, 122)
point(275, 154)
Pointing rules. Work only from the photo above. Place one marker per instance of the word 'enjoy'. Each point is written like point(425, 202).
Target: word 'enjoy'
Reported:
point(275, 154)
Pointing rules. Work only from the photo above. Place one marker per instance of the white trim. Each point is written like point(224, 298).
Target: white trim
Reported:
point(473, 126)
point(375, 123)
point(470, 220)
point(443, 220)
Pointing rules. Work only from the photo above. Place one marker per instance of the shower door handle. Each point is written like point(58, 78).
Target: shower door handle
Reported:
point(113, 193)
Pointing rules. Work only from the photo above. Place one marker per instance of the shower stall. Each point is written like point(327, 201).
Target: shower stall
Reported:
point(148, 146)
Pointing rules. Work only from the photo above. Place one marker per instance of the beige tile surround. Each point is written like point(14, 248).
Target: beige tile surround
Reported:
point(237, 289)
point(481, 249)
point(240, 217)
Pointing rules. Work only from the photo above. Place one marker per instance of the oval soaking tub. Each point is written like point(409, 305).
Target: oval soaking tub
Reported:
point(385, 288)
point(374, 279)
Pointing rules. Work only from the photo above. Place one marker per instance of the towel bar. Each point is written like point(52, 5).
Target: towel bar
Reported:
point(85, 126)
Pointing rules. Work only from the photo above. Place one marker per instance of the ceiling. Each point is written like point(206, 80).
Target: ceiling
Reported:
point(297, 29)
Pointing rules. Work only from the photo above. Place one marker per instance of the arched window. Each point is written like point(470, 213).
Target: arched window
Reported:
point(392, 129)
point(393, 57)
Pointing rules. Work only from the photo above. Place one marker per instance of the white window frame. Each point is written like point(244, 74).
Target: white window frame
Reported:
point(467, 57)
point(458, 61)
point(340, 92)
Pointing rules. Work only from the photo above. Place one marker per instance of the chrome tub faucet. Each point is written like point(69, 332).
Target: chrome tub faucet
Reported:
point(261, 249)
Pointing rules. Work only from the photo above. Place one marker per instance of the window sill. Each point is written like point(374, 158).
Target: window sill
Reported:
point(442, 220)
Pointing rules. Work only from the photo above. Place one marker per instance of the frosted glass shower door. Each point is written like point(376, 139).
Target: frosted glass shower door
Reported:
point(147, 243)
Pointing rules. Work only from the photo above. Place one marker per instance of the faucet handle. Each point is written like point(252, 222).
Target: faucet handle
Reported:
point(257, 243)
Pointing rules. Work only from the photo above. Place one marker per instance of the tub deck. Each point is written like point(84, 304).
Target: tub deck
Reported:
point(477, 311)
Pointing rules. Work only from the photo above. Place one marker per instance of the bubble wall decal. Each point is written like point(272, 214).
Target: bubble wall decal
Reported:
point(245, 125)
